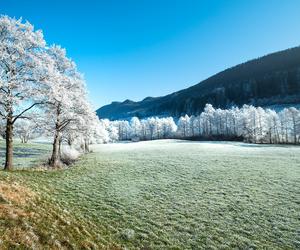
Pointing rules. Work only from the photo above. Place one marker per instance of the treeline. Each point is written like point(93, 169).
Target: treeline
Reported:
point(40, 90)
point(249, 123)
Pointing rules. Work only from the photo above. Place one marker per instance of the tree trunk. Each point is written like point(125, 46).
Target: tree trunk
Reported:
point(60, 145)
point(55, 158)
point(70, 140)
point(9, 144)
point(86, 146)
point(294, 129)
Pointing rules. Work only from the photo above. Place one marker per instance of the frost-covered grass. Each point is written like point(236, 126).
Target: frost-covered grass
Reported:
point(179, 195)
point(26, 154)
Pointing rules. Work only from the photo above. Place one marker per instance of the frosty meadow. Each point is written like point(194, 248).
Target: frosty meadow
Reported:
point(162, 194)
point(223, 178)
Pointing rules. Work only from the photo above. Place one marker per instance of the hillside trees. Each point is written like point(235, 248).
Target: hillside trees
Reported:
point(249, 123)
point(272, 124)
point(168, 127)
point(183, 126)
point(135, 127)
point(294, 119)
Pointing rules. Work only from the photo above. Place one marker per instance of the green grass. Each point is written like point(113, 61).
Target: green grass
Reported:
point(178, 195)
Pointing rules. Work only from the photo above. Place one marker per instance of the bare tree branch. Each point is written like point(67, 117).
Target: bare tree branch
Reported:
point(2, 89)
point(25, 110)
point(1, 114)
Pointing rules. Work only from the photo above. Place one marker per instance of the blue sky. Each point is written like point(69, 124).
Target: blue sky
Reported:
point(131, 49)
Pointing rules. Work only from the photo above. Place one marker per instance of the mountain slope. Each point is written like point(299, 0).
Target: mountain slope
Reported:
point(269, 80)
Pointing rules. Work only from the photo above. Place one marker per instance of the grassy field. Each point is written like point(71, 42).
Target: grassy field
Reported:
point(26, 154)
point(158, 195)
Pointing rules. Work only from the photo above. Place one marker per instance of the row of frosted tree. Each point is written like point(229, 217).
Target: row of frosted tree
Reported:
point(41, 89)
point(249, 124)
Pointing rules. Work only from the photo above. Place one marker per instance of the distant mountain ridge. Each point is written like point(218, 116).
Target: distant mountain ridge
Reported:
point(273, 79)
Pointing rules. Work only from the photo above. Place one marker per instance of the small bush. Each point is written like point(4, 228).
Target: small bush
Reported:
point(69, 155)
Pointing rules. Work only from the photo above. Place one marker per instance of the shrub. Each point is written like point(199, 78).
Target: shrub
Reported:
point(69, 155)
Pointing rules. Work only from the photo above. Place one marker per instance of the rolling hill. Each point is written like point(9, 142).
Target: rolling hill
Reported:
point(273, 79)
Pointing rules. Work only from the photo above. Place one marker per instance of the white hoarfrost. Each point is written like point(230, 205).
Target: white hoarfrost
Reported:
point(249, 123)
point(41, 84)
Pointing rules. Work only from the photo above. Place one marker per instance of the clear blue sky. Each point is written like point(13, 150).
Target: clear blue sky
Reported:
point(132, 49)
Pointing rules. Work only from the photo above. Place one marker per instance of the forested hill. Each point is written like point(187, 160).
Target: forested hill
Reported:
point(269, 80)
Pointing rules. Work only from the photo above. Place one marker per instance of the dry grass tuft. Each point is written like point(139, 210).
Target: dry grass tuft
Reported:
point(29, 221)
point(14, 198)
point(15, 193)
point(13, 212)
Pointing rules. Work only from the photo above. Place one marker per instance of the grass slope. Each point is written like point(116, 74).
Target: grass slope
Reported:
point(169, 195)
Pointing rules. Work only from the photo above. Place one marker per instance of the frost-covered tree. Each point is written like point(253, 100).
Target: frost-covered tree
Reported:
point(89, 127)
point(183, 126)
point(209, 112)
point(83, 130)
point(272, 125)
point(113, 134)
point(2, 128)
point(234, 122)
point(123, 128)
point(294, 115)
point(197, 126)
point(108, 131)
point(102, 134)
point(26, 130)
point(168, 127)
point(144, 129)
point(290, 124)
point(252, 124)
point(193, 126)
point(67, 99)
point(23, 70)
point(135, 125)
point(284, 126)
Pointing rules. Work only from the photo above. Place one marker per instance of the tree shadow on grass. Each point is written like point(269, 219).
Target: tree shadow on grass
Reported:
point(24, 152)
point(240, 144)
point(249, 145)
